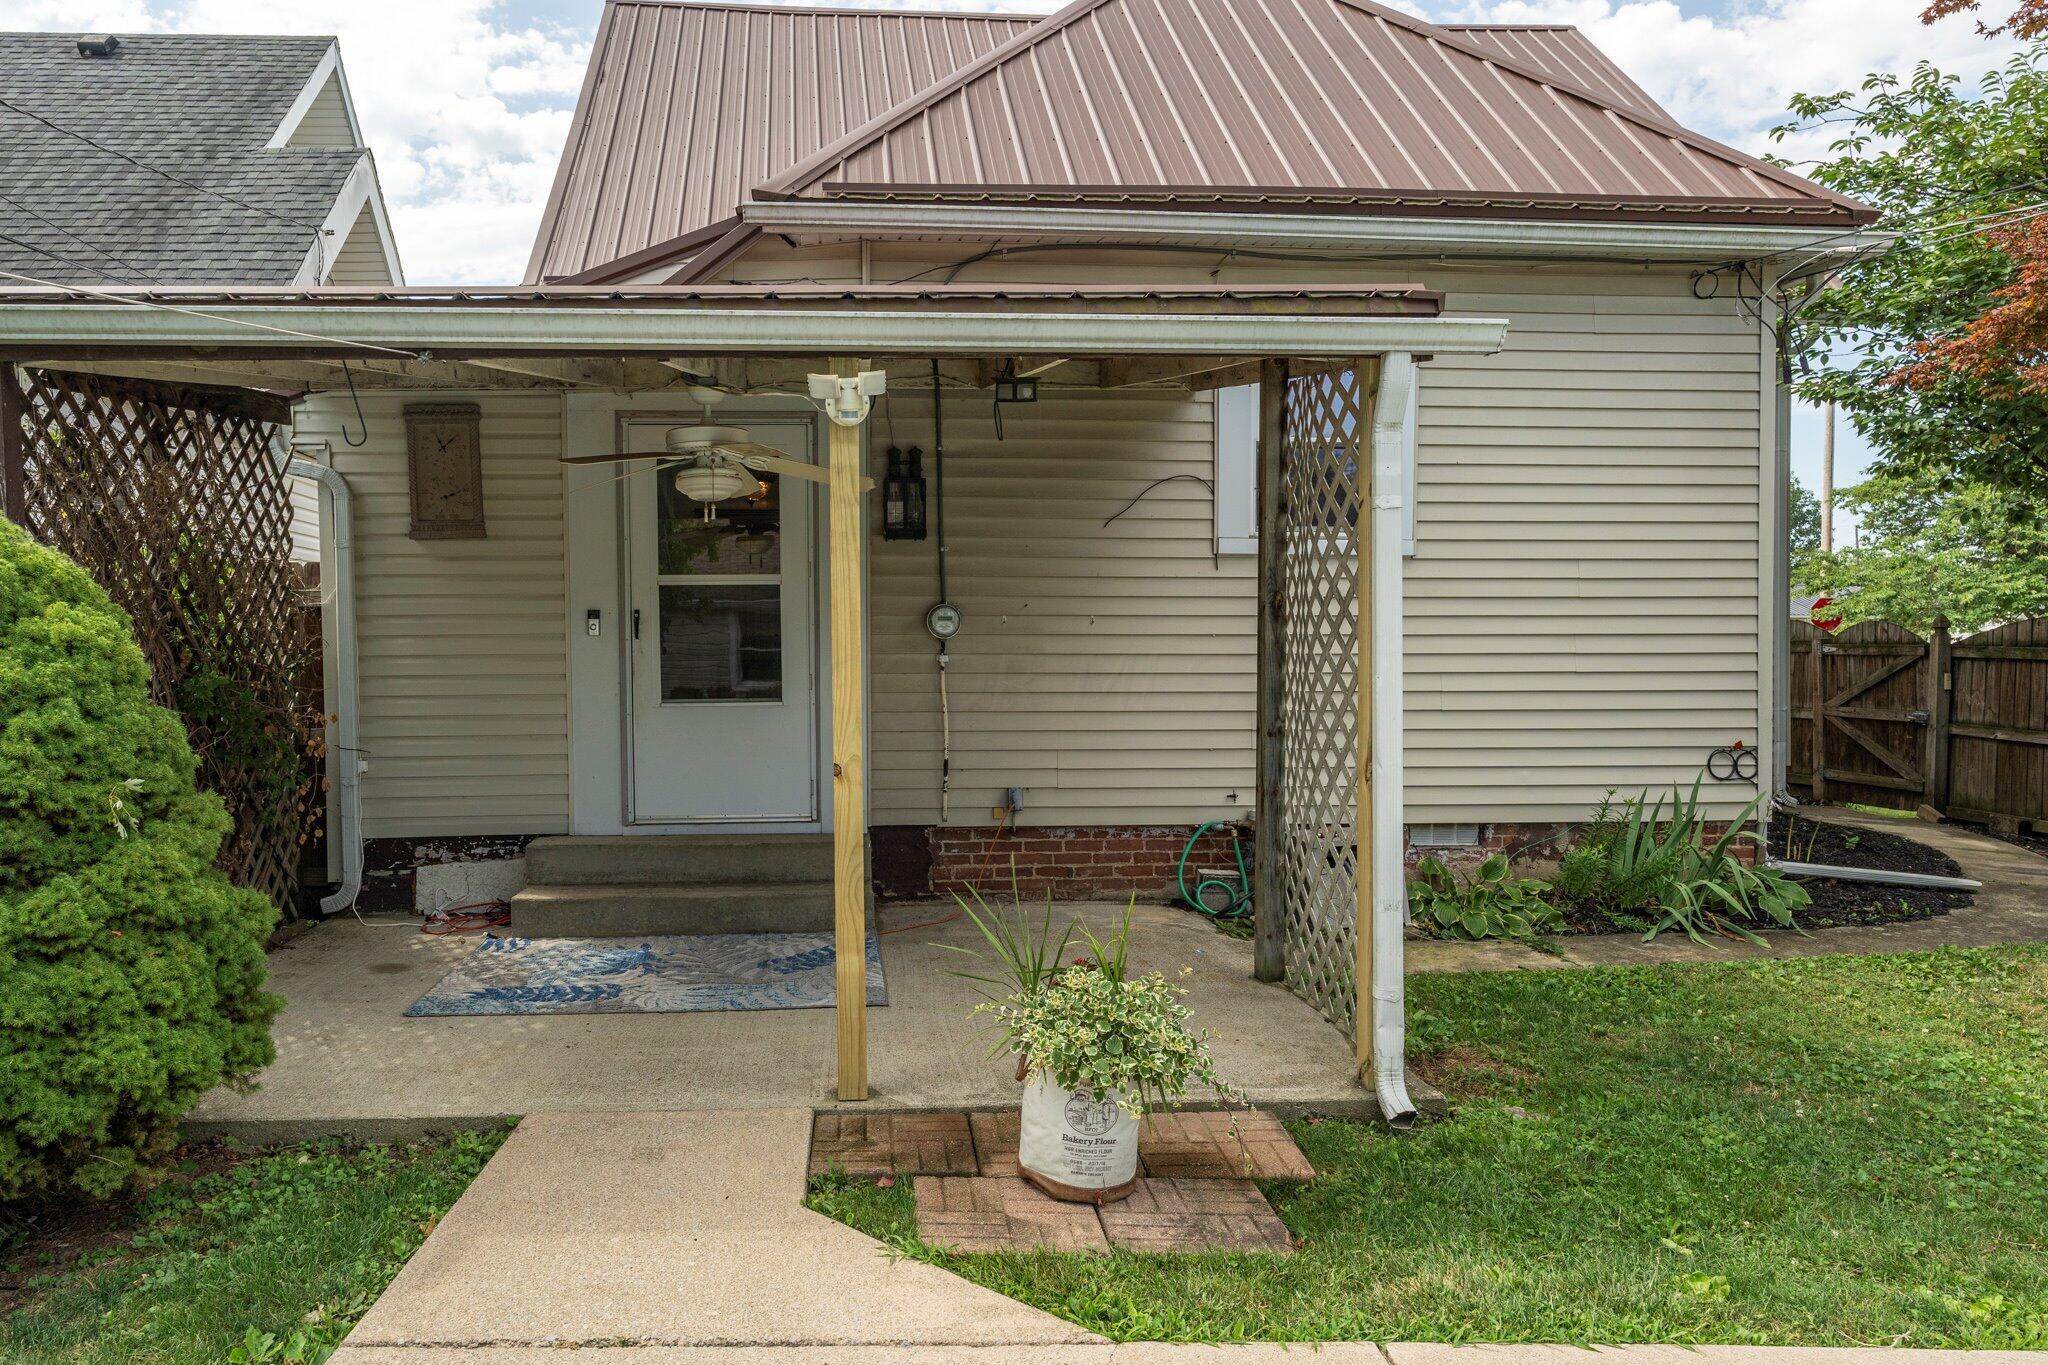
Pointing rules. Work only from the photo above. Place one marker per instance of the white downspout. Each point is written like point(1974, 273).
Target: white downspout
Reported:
point(1390, 447)
point(341, 596)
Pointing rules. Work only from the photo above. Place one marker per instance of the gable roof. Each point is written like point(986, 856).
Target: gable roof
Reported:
point(687, 106)
point(1562, 53)
point(1336, 104)
point(151, 165)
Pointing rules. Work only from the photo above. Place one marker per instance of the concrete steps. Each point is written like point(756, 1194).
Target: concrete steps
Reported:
point(608, 887)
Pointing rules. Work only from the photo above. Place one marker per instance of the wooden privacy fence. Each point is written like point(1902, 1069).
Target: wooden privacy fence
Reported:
point(1882, 717)
point(171, 498)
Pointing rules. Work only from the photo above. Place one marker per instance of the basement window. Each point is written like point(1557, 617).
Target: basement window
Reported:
point(1237, 472)
point(1443, 836)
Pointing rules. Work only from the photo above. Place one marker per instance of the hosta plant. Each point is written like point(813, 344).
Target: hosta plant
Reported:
point(1489, 902)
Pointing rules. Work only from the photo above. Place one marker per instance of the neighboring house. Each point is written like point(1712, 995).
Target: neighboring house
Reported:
point(187, 159)
point(1136, 205)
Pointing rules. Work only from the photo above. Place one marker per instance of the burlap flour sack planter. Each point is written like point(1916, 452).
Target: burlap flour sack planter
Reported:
point(1098, 1046)
point(1077, 1146)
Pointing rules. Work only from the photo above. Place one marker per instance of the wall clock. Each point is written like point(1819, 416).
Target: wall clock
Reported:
point(444, 454)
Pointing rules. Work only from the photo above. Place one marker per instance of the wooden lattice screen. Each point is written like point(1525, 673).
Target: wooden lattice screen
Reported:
point(171, 498)
point(1323, 472)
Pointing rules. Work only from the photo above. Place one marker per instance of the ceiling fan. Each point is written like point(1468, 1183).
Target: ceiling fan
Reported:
point(714, 464)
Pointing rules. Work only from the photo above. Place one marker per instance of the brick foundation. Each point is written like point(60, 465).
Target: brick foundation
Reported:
point(1074, 862)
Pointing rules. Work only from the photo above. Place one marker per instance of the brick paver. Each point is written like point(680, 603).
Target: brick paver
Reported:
point(979, 1213)
point(1172, 1215)
point(886, 1144)
point(995, 1141)
point(1204, 1146)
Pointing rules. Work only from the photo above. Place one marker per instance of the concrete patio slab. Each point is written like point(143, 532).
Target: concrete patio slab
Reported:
point(2012, 908)
point(349, 1062)
point(671, 1229)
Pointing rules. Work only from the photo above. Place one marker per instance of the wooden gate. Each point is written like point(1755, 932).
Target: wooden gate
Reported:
point(1881, 717)
point(1860, 709)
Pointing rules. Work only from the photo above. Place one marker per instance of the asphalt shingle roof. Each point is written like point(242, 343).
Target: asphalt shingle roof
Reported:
point(199, 108)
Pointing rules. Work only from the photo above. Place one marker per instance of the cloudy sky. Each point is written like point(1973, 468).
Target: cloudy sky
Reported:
point(467, 102)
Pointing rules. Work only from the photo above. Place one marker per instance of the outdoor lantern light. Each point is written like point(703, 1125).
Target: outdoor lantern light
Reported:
point(903, 495)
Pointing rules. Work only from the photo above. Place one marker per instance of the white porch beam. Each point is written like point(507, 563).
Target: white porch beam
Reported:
point(501, 332)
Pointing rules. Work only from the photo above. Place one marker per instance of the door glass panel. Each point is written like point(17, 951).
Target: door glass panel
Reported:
point(743, 537)
point(721, 642)
point(721, 596)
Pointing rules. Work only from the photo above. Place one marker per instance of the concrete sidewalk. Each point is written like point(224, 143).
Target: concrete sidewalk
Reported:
point(2012, 908)
point(672, 1230)
point(1167, 1353)
point(680, 1239)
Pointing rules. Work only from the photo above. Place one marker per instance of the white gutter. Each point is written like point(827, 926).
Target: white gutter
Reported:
point(1335, 232)
point(347, 743)
point(725, 331)
point(1389, 1021)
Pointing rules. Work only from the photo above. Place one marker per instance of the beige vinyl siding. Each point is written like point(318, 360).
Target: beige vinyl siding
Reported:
point(326, 120)
point(1583, 603)
point(464, 671)
point(1106, 671)
point(360, 259)
point(305, 495)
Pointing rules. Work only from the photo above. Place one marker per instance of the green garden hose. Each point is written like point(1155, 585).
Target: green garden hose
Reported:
point(1232, 899)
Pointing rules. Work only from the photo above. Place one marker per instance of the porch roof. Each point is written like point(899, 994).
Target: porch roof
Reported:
point(641, 338)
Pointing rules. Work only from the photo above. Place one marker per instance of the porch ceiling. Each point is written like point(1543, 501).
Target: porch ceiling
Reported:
point(748, 337)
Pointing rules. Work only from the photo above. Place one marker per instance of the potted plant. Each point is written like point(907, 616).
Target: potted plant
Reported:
point(1097, 1048)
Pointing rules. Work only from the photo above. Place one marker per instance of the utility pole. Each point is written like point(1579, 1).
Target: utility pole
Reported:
point(1827, 478)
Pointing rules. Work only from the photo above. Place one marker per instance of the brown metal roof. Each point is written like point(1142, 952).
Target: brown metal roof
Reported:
point(1289, 98)
point(688, 106)
point(1564, 53)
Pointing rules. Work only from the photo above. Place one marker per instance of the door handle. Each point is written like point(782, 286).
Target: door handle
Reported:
point(636, 623)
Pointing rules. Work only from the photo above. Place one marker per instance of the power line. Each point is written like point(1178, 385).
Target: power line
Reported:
point(53, 255)
point(20, 207)
point(137, 161)
point(195, 312)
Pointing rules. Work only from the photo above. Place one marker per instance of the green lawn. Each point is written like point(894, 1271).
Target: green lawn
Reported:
point(1835, 1151)
point(270, 1261)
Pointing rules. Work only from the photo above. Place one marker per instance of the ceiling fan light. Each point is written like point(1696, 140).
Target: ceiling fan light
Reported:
point(715, 481)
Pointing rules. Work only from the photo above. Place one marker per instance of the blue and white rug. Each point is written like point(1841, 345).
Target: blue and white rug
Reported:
point(668, 974)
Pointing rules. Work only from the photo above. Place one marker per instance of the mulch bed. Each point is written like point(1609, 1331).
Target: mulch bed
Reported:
point(1806, 840)
point(40, 1238)
point(1838, 903)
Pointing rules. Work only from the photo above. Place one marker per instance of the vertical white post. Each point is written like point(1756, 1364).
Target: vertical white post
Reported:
point(1391, 442)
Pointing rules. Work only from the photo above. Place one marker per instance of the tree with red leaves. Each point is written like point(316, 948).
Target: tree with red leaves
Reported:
point(1938, 350)
point(2030, 20)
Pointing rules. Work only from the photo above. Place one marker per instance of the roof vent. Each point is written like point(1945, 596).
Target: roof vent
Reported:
point(98, 45)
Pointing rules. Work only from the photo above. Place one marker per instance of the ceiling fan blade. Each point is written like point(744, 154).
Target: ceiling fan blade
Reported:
point(768, 460)
point(617, 459)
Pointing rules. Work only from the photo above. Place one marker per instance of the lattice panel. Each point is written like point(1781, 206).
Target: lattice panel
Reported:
point(1322, 494)
point(172, 500)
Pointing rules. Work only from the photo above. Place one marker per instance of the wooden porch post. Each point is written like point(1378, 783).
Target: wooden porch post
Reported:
point(13, 449)
point(849, 756)
point(1269, 953)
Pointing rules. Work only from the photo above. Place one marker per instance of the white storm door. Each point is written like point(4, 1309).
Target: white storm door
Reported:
point(723, 623)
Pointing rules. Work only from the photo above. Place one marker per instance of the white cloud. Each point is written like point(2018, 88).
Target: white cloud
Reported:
point(1732, 75)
